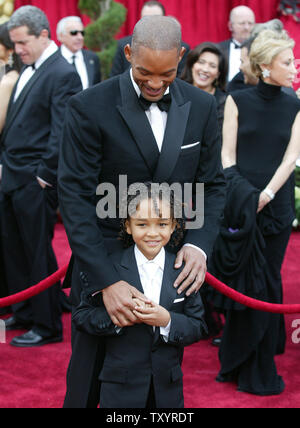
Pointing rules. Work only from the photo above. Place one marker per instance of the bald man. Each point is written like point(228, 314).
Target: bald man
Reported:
point(241, 23)
point(120, 128)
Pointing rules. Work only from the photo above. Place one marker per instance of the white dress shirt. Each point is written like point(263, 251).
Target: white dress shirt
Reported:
point(158, 121)
point(29, 71)
point(234, 60)
point(79, 64)
point(151, 275)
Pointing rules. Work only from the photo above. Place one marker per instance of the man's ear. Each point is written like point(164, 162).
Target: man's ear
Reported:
point(128, 52)
point(182, 52)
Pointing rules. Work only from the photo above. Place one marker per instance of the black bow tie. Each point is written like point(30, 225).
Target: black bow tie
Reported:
point(236, 46)
point(31, 65)
point(163, 104)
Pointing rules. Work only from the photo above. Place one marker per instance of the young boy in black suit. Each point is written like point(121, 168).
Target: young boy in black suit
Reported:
point(142, 367)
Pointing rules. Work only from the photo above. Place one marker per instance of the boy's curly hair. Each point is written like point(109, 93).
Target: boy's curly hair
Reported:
point(150, 193)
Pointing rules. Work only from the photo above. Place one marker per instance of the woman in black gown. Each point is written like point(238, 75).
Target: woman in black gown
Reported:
point(261, 143)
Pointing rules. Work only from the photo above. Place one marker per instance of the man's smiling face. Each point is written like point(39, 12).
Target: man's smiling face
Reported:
point(153, 70)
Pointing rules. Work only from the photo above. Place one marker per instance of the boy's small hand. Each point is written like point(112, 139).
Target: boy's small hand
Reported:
point(153, 315)
point(118, 301)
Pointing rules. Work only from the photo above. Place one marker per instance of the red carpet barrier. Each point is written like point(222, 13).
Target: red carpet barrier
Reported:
point(212, 281)
point(35, 290)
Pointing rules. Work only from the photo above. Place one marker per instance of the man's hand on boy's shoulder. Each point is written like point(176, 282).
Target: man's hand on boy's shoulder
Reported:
point(194, 272)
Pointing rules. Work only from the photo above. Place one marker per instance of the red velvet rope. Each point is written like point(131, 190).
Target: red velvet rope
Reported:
point(35, 290)
point(212, 281)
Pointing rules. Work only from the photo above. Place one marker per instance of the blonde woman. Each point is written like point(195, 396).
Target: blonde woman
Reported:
point(261, 144)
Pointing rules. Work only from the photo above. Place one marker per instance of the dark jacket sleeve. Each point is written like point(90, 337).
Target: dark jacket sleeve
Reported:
point(65, 86)
point(188, 327)
point(79, 168)
point(92, 318)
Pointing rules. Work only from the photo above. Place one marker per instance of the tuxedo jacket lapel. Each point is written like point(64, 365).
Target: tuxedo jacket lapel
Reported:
point(137, 122)
point(174, 135)
point(168, 291)
point(161, 165)
point(90, 64)
point(128, 267)
point(14, 108)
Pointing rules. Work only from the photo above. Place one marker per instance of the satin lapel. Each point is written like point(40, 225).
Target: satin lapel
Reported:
point(89, 63)
point(15, 108)
point(168, 292)
point(128, 267)
point(174, 136)
point(137, 122)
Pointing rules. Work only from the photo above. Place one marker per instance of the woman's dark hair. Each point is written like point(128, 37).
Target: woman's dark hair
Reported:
point(193, 57)
point(8, 44)
point(149, 192)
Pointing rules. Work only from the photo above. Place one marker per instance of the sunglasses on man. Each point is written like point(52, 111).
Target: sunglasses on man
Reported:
point(75, 32)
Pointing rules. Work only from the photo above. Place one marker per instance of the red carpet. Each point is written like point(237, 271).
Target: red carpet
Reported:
point(35, 378)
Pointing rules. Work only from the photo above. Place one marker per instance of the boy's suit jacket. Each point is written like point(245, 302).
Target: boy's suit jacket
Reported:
point(138, 354)
point(31, 137)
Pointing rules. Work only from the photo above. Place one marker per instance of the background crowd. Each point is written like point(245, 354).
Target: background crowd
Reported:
point(38, 78)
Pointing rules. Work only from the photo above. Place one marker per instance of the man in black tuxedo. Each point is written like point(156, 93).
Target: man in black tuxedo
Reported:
point(241, 23)
point(120, 63)
point(70, 32)
point(109, 132)
point(29, 157)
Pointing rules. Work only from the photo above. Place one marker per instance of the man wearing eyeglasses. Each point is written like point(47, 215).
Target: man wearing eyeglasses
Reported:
point(70, 32)
point(241, 23)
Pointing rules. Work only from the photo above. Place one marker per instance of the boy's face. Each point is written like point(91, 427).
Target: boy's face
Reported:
point(149, 230)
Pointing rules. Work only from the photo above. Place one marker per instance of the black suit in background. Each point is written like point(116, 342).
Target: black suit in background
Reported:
point(29, 149)
point(93, 66)
point(138, 357)
point(120, 63)
point(107, 134)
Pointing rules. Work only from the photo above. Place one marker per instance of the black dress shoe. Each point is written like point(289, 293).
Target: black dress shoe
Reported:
point(32, 339)
point(13, 324)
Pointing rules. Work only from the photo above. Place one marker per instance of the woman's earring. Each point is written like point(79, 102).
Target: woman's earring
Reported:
point(10, 60)
point(266, 73)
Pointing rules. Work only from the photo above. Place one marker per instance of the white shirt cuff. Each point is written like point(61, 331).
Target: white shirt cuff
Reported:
point(44, 182)
point(1, 166)
point(165, 332)
point(197, 248)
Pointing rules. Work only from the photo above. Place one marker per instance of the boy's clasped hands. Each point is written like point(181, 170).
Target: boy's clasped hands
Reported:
point(151, 313)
